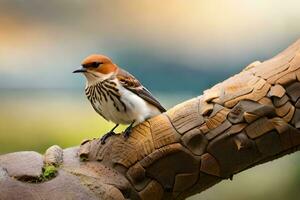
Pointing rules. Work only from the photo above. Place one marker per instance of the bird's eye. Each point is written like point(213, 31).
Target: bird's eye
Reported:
point(95, 64)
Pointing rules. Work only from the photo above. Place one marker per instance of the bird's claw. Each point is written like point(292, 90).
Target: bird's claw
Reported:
point(105, 136)
point(127, 132)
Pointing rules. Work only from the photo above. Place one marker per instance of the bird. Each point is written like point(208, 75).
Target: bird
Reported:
point(116, 95)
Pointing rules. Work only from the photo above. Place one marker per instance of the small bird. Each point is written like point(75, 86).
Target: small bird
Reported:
point(117, 95)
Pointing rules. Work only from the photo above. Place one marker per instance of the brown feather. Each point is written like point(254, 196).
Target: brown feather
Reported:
point(129, 82)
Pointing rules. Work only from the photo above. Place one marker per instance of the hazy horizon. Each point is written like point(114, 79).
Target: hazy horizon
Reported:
point(168, 46)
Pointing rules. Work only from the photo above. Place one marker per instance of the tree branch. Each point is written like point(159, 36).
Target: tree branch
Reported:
point(249, 119)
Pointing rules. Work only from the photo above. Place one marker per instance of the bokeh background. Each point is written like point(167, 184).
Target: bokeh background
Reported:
point(176, 48)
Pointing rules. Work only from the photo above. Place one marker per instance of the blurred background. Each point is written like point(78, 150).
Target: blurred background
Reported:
point(176, 48)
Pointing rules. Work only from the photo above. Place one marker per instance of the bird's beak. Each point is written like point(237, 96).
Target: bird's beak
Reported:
point(81, 70)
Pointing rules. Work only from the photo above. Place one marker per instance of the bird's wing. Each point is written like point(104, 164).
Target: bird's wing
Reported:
point(129, 82)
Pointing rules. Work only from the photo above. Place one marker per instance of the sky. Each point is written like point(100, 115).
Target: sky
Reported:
point(161, 42)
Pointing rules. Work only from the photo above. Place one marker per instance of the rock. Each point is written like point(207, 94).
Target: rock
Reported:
point(22, 165)
point(53, 155)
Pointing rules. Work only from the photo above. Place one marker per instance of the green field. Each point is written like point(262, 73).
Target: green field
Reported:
point(37, 119)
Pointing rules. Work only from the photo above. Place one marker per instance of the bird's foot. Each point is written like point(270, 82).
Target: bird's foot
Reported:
point(127, 132)
point(105, 136)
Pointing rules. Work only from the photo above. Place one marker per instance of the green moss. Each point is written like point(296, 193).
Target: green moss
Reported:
point(49, 171)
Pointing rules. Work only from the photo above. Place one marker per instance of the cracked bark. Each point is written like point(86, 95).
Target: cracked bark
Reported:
point(249, 119)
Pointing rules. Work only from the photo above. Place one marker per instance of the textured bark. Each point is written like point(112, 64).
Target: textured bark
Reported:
point(249, 119)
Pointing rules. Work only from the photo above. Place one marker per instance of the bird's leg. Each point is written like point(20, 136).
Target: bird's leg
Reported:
point(108, 134)
point(128, 130)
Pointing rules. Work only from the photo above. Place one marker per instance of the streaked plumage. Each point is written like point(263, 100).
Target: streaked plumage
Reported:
point(116, 95)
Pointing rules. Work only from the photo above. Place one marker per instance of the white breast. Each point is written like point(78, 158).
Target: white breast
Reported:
point(137, 109)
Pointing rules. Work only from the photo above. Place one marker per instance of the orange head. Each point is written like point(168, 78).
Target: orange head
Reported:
point(97, 66)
